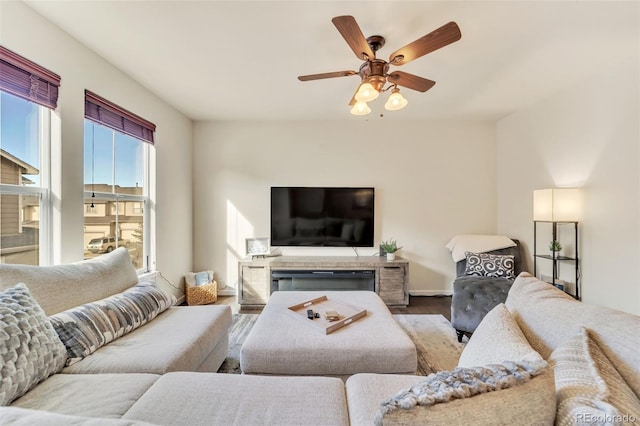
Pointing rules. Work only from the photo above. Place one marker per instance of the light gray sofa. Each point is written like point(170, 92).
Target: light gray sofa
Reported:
point(193, 338)
point(162, 372)
point(547, 317)
point(107, 382)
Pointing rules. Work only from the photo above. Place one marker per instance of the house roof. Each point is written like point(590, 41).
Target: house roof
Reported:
point(238, 60)
point(27, 168)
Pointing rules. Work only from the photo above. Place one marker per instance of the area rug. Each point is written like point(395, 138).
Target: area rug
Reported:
point(435, 339)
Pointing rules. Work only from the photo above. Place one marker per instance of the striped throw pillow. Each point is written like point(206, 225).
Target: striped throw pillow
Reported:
point(86, 328)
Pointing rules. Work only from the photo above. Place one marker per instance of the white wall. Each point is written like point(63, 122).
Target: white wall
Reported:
point(28, 34)
point(432, 180)
point(585, 136)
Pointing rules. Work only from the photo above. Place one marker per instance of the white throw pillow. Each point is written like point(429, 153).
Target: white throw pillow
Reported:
point(497, 338)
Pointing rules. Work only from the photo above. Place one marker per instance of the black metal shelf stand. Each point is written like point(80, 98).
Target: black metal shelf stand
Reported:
point(554, 257)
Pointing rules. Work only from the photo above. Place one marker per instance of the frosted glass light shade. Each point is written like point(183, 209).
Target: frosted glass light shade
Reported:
point(396, 101)
point(367, 93)
point(360, 108)
point(557, 205)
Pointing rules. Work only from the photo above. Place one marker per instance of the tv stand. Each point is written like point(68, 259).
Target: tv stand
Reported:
point(257, 280)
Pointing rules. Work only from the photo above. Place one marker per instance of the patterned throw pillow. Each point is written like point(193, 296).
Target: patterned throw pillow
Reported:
point(86, 328)
point(490, 265)
point(30, 349)
point(588, 387)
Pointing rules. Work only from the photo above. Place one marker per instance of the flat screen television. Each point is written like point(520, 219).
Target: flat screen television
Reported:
point(325, 217)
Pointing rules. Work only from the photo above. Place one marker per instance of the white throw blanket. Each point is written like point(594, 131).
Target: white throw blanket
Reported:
point(477, 244)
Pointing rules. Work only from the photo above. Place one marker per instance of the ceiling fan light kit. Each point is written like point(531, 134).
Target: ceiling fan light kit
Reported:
point(367, 93)
point(360, 108)
point(374, 72)
point(396, 101)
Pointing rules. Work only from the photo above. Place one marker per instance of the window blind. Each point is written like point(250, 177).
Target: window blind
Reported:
point(102, 111)
point(28, 80)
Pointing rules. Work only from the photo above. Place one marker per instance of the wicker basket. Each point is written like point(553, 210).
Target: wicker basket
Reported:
point(202, 294)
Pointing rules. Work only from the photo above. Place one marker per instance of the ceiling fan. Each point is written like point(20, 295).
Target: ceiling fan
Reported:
point(374, 72)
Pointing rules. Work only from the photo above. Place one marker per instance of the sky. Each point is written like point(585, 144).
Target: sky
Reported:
point(19, 122)
point(129, 159)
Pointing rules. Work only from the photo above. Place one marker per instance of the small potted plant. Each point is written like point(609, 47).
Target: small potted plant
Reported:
point(555, 246)
point(390, 248)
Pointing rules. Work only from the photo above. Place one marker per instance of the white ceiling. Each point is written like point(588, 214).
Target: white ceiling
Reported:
point(238, 60)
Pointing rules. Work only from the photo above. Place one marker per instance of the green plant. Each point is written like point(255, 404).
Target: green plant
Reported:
point(389, 246)
point(555, 246)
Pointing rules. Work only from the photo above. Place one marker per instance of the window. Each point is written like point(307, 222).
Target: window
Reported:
point(116, 180)
point(28, 93)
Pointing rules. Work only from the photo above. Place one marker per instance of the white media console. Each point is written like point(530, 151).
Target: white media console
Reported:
point(258, 278)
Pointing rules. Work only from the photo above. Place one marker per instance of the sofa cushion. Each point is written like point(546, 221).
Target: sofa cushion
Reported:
point(489, 265)
point(30, 349)
point(94, 395)
point(58, 288)
point(534, 401)
point(588, 387)
point(548, 317)
point(86, 328)
point(179, 339)
point(229, 399)
point(498, 338)
point(23, 417)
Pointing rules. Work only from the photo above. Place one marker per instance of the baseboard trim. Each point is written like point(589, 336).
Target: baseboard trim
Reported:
point(228, 291)
point(430, 292)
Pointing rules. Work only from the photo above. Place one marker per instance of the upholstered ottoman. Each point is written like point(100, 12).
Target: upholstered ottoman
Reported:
point(283, 344)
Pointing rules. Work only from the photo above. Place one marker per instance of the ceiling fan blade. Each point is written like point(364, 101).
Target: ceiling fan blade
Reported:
point(348, 27)
point(326, 75)
point(410, 81)
point(443, 36)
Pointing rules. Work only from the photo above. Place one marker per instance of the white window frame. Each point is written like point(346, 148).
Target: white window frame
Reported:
point(45, 228)
point(144, 199)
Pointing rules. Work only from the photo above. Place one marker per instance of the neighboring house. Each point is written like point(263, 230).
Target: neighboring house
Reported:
point(111, 218)
point(19, 221)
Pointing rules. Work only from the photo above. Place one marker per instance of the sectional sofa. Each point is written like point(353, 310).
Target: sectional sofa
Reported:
point(518, 364)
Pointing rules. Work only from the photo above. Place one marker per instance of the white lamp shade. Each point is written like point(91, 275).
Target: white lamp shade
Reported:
point(360, 108)
point(367, 93)
point(557, 205)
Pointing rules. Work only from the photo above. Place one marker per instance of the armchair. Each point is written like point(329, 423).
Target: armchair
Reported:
point(474, 296)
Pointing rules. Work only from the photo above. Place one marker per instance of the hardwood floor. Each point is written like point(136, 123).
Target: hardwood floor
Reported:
point(417, 305)
point(427, 305)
